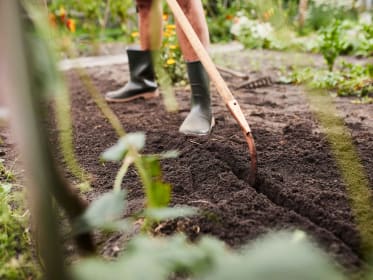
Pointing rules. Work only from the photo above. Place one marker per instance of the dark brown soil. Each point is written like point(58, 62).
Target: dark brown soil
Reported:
point(299, 185)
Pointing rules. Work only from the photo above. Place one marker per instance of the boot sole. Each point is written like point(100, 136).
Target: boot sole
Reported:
point(145, 95)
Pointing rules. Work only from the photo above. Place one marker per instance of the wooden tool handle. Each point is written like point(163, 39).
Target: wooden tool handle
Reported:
point(200, 50)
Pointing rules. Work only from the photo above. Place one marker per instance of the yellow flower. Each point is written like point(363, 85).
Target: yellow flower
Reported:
point(62, 14)
point(62, 11)
point(165, 17)
point(173, 47)
point(71, 25)
point(171, 26)
point(135, 34)
point(170, 61)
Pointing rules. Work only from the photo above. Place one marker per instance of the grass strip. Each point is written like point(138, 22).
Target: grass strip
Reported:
point(17, 260)
point(349, 164)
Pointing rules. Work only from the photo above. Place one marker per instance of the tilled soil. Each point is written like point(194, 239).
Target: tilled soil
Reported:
point(299, 185)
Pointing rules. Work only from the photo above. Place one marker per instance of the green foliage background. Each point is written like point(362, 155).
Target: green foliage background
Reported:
point(112, 19)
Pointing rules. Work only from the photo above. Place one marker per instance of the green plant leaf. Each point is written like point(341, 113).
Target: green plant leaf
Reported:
point(169, 154)
point(285, 80)
point(147, 259)
point(97, 269)
point(158, 193)
point(103, 213)
point(5, 187)
point(277, 256)
point(280, 256)
point(167, 213)
point(117, 152)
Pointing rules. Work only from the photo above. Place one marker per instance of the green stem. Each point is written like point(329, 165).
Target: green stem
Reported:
point(101, 103)
point(64, 124)
point(122, 172)
point(143, 175)
point(26, 120)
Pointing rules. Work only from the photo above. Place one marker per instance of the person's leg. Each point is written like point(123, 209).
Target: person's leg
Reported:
point(150, 23)
point(142, 83)
point(193, 10)
point(200, 120)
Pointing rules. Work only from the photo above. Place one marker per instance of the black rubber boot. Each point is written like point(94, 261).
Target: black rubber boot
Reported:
point(142, 82)
point(200, 120)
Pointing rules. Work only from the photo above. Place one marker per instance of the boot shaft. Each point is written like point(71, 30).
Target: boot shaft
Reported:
point(142, 82)
point(199, 83)
point(141, 65)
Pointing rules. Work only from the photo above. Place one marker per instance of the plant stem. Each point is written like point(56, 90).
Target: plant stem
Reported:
point(27, 126)
point(64, 123)
point(101, 103)
point(303, 6)
point(28, 108)
point(106, 16)
point(122, 172)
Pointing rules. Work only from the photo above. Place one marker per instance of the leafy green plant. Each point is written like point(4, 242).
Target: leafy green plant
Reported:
point(365, 44)
point(252, 33)
point(332, 43)
point(322, 13)
point(358, 81)
point(263, 259)
point(220, 24)
point(98, 20)
point(106, 212)
point(6, 175)
point(16, 260)
point(348, 80)
point(220, 16)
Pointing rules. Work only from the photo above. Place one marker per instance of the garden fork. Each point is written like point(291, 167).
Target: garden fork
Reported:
point(217, 79)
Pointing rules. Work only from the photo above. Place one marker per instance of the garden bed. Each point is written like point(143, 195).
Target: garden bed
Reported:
point(299, 185)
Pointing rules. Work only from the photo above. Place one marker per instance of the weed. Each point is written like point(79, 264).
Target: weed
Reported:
point(332, 43)
point(348, 80)
point(16, 260)
point(6, 175)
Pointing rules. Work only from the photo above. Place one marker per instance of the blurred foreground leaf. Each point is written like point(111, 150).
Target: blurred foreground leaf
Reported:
point(169, 154)
point(103, 213)
point(277, 256)
point(168, 213)
point(280, 256)
point(119, 150)
point(5, 187)
point(146, 258)
point(158, 193)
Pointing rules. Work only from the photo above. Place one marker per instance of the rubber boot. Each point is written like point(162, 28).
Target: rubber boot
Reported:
point(200, 120)
point(142, 82)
